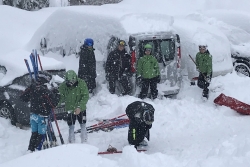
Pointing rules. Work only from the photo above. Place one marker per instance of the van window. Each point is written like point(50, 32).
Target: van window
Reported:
point(163, 49)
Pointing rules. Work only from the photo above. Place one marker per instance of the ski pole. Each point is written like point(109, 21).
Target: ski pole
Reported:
point(52, 131)
point(60, 135)
point(40, 62)
point(205, 78)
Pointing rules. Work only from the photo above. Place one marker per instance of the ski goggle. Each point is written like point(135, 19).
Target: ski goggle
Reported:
point(147, 50)
point(202, 47)
point(89, 44)
point(122, 43)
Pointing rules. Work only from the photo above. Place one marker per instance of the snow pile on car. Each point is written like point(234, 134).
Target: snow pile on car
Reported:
point(68, 28)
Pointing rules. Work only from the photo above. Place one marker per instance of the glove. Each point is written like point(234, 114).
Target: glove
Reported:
point(158, 79)
point(77, 111)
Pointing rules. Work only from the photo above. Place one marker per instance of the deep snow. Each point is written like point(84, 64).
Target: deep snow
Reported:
point(186, 133)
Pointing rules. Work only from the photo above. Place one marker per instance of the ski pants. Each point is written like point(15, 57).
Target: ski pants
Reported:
point(125, 83)
point(91, 83)
point(137, 132)
point(203, 84)
point(38, 129)
point(145, 84)
point(71, 118)
point(37, 124)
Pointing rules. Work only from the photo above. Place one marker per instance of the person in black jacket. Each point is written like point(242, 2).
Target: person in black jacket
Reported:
point(42, 100)
point(118, 68)
point(87, 64)
point(141, 117)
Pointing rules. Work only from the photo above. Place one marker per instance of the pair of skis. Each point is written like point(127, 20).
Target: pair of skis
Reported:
point(35, 59)
point(107, 125)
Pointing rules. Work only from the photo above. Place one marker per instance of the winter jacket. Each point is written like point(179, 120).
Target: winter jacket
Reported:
point(74, 97)
point(118, 64)
point(138, 129)
point(87, 63)
point(148, 67)
point(204, 62)
point(41, 99)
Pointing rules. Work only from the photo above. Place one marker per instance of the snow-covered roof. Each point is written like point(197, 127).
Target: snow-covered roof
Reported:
point(15, 65)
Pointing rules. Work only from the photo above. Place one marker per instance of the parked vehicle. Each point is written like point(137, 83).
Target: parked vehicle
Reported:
point(12, 86)
point(241, 63)
point(167, 51)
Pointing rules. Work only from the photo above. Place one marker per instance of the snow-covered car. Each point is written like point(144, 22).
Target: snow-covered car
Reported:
point(236, 32)
point(241, 59)
point(14, 79)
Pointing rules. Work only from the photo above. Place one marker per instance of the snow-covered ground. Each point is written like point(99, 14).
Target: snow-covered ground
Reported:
point(187, 132)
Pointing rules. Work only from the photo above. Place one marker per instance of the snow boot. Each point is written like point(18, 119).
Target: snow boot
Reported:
point(205, 93)
point(143, 143)
point(32, 144)
point(84, 135)
point(71, 134)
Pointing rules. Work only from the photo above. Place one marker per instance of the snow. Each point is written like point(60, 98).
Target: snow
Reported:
point(18, 68)
point(187, 132)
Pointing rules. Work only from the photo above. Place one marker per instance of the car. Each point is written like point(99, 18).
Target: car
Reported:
point(241, 63)
point(14, 80)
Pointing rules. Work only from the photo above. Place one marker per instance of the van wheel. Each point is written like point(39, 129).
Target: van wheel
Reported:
point(6, 111)
point(243, 69)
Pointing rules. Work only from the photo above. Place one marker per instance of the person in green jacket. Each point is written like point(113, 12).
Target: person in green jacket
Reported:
point(74, 93)
point(204, 67)
point(148, 73)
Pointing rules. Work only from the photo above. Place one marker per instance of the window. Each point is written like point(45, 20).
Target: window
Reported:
point(163, 49)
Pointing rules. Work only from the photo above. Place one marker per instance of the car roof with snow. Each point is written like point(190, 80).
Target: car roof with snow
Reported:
point(15, 66)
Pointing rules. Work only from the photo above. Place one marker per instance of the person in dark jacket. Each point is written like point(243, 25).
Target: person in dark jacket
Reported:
point(204, 66)
point(118, 68)
point(141, 117)
point(42, 100)
point(87, 64)
point(74, 93)
point(148, 73)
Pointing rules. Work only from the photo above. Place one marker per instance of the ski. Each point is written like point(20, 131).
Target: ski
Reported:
point(116, 152)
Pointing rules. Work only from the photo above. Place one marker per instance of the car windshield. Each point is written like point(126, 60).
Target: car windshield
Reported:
point(163, 49)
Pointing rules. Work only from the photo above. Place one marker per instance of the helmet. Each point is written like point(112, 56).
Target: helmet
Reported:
point(88, 42)
point(71, 78)
point(148, 117)
point(122, 43)
point(148, 46)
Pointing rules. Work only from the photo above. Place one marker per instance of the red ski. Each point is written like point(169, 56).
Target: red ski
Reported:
point(113, 150)
point(117, 152)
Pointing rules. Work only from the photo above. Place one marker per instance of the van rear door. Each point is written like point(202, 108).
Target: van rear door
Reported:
point(165, 51)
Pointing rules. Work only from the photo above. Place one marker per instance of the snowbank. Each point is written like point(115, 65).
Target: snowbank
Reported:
point(22, 25)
